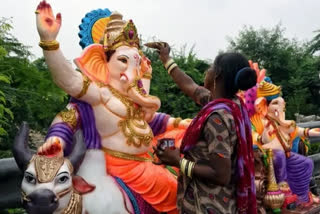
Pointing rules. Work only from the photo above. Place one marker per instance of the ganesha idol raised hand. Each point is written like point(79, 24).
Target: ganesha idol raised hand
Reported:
point(271, 131)
point(111, 103)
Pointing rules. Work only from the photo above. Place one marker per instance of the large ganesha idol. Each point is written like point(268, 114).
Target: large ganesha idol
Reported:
point(111, 104)
point(289, 173)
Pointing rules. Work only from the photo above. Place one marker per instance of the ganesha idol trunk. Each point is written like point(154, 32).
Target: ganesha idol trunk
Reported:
point(150, 104)
point(274, 198)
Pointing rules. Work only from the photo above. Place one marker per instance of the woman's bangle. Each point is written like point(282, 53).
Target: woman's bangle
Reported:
point(49, 45)
point(168, 63)
point(183, 163)
point(190, 168)
point(186, 167)
point(171, 67)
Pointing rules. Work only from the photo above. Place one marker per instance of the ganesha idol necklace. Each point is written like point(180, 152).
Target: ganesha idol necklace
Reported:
point(133, 120)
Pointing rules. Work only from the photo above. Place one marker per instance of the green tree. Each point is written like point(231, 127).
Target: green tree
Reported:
point(6, 114)
point(288, 62)
point(315, 43)
point(28, 93)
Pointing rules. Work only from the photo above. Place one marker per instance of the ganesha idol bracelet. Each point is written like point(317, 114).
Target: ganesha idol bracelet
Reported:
point(49, 45)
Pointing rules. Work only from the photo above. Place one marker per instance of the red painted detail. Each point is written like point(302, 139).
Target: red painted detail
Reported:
point(81, 185)
point(220, 138)
point(49, 21)
point(225, 199)
point(211, 196)
point(53, 150)
point(289, 199)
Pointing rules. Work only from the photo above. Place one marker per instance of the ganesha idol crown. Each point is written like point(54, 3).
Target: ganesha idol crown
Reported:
point(268, 90)
point(120, 33)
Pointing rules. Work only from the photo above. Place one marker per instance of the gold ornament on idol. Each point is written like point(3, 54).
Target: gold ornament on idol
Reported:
point(137, 85)
point(120, 33)
point(47, 168)
point(147, 76)
point(69, 116)
point(177, 122)
point(49, 45)
point(274, 197)
point(75, 204)
point(85, 86)
point(266, 89)
point(133, 122)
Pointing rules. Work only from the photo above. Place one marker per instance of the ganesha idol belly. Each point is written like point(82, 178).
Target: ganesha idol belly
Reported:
point(270, 140)
point(121, 125)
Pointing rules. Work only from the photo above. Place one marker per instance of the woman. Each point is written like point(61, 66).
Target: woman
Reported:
point(217, 171)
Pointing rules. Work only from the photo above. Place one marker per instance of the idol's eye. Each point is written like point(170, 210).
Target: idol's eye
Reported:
point(63, 179)
point(123, 60)
point(30, 178)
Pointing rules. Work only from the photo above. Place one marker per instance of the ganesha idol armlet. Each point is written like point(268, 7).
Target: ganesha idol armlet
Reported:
point(49, 45)
point(69, 116)
point(85, 86)
point(177, 122)
point(306, 132)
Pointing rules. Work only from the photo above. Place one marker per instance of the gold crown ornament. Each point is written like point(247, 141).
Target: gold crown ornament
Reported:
point(120, 33)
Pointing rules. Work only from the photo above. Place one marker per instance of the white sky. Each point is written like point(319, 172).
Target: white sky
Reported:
point(203, 23)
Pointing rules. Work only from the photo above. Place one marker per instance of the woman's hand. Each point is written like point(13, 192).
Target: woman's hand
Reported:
point(48, 26)
point(168, 156)
point(162, 48)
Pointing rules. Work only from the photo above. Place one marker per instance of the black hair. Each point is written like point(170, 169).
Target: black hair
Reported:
point(228, 65)
point(109, 54)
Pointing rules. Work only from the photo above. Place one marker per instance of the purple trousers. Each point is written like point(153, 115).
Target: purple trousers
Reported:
point(295, 170)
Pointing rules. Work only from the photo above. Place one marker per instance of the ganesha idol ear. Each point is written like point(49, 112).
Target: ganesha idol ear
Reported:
point(93, 63)
point(261, 106)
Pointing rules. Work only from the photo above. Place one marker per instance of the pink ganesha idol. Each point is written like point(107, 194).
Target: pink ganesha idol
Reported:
point(111, 104)
point(274, 135)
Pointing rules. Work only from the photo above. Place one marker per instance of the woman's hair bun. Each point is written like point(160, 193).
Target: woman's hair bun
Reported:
point(246, 78)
